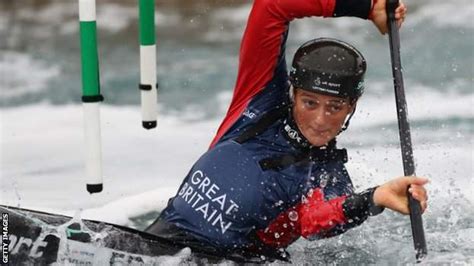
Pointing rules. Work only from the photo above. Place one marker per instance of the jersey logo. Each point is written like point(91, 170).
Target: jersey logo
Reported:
point(208, 201)
point(249, 114)
point(293, 134)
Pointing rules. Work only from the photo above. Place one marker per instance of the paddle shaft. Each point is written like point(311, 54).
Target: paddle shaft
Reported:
point(404, 130)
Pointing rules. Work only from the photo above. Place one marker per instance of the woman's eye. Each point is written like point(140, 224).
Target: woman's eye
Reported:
point(309, 103)
point(335, 108)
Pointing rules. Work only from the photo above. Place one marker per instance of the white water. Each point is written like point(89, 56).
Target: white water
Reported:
point(42, 169)
point(42, 158)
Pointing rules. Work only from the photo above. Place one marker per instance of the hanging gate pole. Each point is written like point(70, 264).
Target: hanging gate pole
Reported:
point(147, 86)
point(91, 95)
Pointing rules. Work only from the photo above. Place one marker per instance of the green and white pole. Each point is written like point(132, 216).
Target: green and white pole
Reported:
point(91, 96)
point(148, 86)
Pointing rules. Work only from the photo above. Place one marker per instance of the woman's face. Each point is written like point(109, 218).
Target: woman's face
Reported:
point(320, 117)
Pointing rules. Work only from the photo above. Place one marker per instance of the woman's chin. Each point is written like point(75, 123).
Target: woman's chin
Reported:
point(319, 141)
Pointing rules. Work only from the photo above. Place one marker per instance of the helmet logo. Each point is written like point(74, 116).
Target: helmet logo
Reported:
point(317, 81)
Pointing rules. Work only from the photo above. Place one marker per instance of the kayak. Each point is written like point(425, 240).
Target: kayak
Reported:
point(41, 238)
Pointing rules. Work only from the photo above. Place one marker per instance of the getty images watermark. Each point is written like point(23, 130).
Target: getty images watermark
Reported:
point(5, 240)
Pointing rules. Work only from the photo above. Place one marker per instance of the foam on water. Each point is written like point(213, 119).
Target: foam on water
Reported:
point(151, 156)
point(132, 156)
point(444, 14)
point(228, 24)
point(21, 74)
point(422, 102)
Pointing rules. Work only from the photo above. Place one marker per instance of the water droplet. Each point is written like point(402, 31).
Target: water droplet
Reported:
point(303, 199)
point(454, 67)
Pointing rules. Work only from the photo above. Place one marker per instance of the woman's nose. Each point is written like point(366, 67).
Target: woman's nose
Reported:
point(319, 117)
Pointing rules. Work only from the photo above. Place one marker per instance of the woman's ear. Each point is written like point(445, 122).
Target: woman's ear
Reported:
point(353, 105)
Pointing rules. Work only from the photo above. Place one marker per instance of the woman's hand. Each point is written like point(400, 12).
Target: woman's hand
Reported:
point(393, 194)
point(379, 15)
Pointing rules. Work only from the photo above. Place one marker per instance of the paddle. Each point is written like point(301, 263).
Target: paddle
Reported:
point(404, 130)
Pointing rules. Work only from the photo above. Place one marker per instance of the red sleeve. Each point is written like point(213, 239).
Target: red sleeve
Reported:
point(314, 216)
point(261, 48)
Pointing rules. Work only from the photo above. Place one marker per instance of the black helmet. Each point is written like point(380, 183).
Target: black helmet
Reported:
point(330, 67)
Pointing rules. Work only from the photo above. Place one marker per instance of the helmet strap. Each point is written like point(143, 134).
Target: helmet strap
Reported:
point(291, 94)
point(348, 120)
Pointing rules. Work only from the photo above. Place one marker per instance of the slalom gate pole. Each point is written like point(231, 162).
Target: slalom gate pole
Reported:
point(91, 96)
point(148, 86)
point(404, 130)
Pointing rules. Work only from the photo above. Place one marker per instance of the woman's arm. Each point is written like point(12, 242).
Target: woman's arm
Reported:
point(317, 218)
point(263, 44)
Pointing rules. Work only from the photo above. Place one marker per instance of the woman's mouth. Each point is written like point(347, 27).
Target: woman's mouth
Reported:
point(319, 132)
